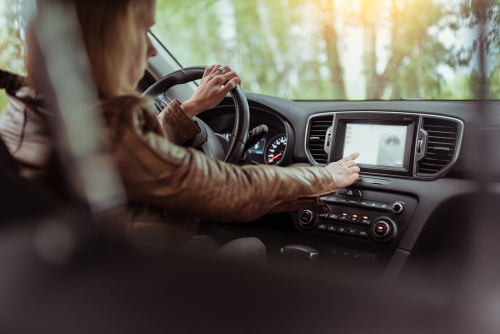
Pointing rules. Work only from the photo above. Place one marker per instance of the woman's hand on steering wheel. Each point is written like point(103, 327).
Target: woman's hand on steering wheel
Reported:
point(210, 91)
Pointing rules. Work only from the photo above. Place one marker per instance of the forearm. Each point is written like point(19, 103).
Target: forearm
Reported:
point(177, 123)
point(157, 172)
point(210, 189)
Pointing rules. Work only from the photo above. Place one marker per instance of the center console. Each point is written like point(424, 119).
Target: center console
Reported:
point(367, 220)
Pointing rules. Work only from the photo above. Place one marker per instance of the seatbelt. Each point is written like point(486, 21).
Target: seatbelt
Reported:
point(11, 82)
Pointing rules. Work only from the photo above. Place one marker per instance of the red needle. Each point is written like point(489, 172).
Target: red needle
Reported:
point(268, 161)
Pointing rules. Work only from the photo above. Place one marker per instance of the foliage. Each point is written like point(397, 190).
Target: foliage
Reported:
point(305, 49)
point(11, 40)
point(296, 48)
point(3, 100)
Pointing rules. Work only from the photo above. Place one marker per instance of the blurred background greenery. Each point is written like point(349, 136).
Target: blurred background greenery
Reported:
point(11, 40)
point(322, 49)
point(338, 49)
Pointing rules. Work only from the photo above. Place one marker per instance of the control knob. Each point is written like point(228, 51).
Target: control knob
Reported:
point(398, 207)
point(383, 229)
point(306, 219)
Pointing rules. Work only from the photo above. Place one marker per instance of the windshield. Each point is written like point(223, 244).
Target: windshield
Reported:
point(338, 49)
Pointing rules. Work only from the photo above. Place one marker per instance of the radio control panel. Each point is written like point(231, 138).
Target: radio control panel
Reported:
point(360, 217)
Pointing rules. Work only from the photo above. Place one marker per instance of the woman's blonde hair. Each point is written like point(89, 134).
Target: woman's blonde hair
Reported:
point(108, 30)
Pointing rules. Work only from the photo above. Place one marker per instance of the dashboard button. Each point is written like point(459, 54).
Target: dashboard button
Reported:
point(332, 199)
point(322, 227)
point(332, 228)
point(344, 216)
point(342, 229)
point(352, 201)
point(385, 206)
point(365, 220)
point(352, 231)
point(370, 204)
point(342, 200)
point(350, 192)
point(354, 219)
point(333, 215)
point(363, 233)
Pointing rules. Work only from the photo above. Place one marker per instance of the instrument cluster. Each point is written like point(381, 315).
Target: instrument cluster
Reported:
point(271, 149)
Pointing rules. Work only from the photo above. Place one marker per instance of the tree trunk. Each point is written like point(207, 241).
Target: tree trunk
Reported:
point(331, 39)
point(227, 33)
point(370, 60)
point(396, 90)
point(273, 44)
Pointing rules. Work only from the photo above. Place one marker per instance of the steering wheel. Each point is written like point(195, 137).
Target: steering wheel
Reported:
point(206, 140)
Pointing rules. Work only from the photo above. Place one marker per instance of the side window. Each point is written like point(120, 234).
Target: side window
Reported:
point(11, 40)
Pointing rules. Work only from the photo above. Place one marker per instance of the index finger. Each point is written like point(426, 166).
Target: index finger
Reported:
point(351, 157)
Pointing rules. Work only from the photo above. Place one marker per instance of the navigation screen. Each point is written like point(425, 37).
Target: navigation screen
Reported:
point(381, 145)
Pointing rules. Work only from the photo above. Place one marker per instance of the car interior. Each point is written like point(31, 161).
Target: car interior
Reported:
point(421, 218)
point(377, 226)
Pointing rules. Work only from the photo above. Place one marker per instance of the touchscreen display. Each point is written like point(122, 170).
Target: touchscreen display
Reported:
point(381, 145)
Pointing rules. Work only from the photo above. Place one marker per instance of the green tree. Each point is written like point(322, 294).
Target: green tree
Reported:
point(11, 41)
point(332, 49)
point(11, 37)
point(415, 53)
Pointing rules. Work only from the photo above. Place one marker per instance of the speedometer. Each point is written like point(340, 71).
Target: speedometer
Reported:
point(275, 150)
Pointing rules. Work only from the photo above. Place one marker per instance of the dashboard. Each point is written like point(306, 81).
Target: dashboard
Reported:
point(416, 173)
point(272, 149)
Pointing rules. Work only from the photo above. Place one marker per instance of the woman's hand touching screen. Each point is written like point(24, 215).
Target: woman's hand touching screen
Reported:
point(344, 172)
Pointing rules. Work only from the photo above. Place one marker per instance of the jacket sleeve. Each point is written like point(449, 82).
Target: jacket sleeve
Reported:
point(158, 172)
point(177, 125)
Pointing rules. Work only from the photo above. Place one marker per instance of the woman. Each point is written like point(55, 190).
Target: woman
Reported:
point(156, 171)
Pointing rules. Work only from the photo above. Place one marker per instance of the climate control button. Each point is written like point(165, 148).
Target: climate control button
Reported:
point(306, 217)
point(381, 229)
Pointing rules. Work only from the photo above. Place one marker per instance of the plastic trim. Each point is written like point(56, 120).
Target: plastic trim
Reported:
point(308, 130)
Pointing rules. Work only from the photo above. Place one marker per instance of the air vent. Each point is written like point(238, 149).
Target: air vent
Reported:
point(441, 145)
point(316, 139)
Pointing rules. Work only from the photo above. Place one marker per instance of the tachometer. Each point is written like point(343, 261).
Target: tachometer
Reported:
point(275, 150)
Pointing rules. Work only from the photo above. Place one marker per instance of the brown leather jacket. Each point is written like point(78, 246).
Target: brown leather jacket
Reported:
point(158, 172)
